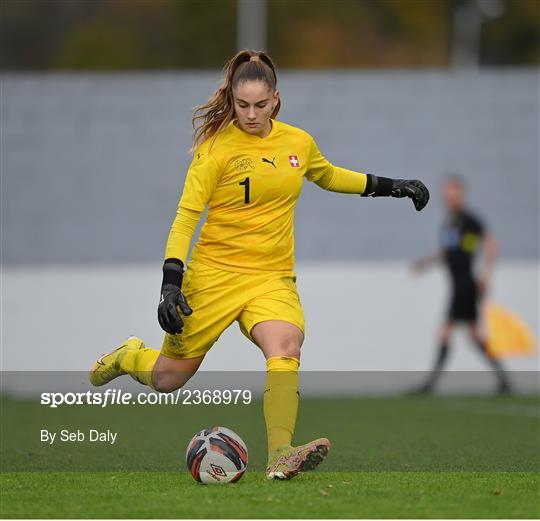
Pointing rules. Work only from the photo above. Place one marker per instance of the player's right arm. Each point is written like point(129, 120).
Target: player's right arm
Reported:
point(426, 262)
point(201, 181)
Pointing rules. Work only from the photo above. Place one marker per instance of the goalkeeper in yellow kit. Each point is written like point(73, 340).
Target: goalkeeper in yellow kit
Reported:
point(248, 169)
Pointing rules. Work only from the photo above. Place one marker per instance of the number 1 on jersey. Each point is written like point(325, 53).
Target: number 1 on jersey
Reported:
point(245, 184)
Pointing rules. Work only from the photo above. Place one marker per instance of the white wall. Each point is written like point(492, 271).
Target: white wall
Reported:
point(360, 317)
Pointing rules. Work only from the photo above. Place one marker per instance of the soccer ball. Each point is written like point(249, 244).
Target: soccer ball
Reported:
point(216, 455)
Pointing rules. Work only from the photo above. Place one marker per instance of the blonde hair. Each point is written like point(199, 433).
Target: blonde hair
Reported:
point(212, 117)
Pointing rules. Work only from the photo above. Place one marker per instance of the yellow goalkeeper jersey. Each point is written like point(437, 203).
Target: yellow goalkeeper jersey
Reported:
point(251, 185)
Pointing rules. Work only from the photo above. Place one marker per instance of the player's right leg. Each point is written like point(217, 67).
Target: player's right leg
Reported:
point(170, 374)
point(213, 296)
point(108, 366)
point(145, 365)
point(440, 359)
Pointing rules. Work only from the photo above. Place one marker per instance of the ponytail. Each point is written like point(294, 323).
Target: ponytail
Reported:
point(212, 117)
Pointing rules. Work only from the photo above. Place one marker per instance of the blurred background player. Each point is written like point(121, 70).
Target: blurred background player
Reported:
point(463, 236)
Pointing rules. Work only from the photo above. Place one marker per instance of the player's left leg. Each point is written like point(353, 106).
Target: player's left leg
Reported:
point(503, 385)
point(273, 320)
point(280, 342)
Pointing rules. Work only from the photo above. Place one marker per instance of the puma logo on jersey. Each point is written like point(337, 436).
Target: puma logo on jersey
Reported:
point(264, 160)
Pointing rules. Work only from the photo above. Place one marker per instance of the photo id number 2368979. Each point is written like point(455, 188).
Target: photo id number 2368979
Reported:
point(215, 397)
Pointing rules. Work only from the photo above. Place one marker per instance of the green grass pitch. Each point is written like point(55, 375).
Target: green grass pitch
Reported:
point(314, 495)
point(464, 457)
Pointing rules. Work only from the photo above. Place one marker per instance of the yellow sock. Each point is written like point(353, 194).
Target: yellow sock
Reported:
point(281, 400)
point(138, 363)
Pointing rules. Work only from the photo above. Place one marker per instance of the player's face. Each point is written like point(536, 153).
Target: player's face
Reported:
point(254, 102)
point(453, 195)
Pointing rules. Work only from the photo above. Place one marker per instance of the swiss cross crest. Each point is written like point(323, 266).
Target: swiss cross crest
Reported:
point(293, 160)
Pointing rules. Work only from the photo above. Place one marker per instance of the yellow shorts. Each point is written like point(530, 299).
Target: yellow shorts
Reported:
point(220, 297)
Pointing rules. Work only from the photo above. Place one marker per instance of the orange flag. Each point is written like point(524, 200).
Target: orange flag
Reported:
point(507, 333)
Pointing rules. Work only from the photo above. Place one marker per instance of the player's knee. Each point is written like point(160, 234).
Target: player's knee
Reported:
point(475, 335)
point(165, 383)
point(444, 335)
point(289, 347)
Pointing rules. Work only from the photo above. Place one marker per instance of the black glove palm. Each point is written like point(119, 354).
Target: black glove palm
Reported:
point(414, 189)
point(172, 301)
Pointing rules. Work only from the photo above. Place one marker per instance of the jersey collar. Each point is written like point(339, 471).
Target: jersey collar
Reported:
point(256, 139)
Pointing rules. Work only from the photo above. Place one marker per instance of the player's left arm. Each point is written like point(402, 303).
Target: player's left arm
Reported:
point(337, 179)
point(490, 250)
